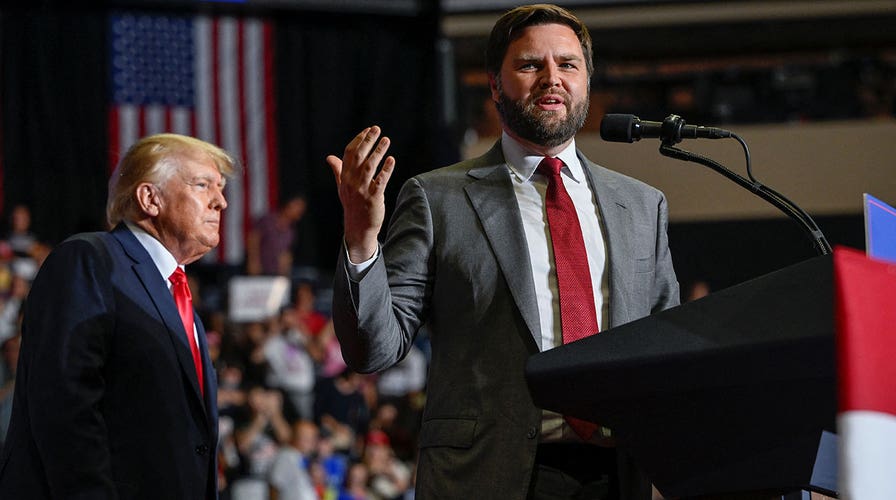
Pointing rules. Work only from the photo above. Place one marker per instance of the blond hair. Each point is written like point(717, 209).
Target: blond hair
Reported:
point(154, 159)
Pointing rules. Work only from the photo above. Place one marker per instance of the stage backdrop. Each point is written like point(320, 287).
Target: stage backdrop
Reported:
point(280, 89)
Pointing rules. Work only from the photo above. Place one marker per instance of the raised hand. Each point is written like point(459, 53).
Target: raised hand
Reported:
point(361, 190)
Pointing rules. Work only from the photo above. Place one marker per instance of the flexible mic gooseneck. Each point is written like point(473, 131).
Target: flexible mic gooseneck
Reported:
point(629, 128)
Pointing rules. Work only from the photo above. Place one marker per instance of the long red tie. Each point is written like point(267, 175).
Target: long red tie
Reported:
point(578, 317)
point(184, 301)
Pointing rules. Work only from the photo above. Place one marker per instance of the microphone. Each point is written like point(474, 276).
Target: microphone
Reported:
point(630, 128)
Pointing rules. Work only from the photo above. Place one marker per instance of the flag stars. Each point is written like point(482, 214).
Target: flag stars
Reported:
point(152, 60)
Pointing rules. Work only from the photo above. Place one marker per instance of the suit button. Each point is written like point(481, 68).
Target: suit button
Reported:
point(202, 449)
point(532, 433)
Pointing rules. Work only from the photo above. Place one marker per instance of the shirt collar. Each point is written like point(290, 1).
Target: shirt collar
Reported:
point(523, 163)
point(161, 257)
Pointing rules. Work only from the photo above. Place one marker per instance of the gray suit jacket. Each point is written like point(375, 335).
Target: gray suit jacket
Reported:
point(455, 260)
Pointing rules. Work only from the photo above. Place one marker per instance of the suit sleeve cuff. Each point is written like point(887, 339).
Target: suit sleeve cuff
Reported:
point(357, 271)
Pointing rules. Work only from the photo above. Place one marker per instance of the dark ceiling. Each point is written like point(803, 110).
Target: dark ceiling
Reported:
point(651, 31)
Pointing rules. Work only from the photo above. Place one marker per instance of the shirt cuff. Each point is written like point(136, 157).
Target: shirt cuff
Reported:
point(358, 271)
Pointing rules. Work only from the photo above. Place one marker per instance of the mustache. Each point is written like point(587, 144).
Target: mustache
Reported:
point(559, 93)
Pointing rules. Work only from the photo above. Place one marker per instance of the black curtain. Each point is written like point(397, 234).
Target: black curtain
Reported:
point(337, 75)
point(54, 118)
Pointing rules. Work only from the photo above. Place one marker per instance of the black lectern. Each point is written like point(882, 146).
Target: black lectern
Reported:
point(730, 393)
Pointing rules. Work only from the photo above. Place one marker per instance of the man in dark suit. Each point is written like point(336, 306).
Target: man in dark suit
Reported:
point(115, 393)
point(472, 256)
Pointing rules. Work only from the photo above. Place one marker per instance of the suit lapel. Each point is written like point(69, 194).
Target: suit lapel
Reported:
point(158, 293)
point(615, 218)
point(492, 197)
point(208, 374)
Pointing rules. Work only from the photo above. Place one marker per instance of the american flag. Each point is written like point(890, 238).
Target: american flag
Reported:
point(208, 77)
point(865, 300)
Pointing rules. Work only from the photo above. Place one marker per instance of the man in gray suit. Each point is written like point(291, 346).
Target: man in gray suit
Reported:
point(469, 255)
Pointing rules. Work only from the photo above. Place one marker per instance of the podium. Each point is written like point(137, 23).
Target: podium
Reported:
point(732, 393)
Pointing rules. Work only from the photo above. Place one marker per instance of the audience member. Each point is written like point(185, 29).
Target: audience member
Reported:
point(333, 463)
point(389, 478)
point(355, 487)
point(258, 438)
point(23, 242)
point(327, 353)
point(252, 340)
point(269, 244)
point(9, 355)
point(288, 475)
point(290, 367)
point(341, 408)
point(310, 319)
point(20, 236)
point(11, 306)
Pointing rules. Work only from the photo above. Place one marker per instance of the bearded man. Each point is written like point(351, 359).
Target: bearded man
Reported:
point(520, 250)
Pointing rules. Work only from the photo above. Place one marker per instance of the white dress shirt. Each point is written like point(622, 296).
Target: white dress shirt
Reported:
point(161, 257)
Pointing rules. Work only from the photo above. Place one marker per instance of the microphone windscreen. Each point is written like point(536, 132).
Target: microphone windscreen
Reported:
point(617, 127)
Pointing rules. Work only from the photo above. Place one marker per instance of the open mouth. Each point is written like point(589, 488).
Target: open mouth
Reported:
point(550, 102)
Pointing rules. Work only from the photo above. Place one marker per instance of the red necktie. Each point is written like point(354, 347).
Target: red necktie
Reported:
point(184, 301)
point(578, 317)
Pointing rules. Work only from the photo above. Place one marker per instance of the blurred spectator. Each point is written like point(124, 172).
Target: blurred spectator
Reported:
point(6, 274)
point(269, 244)
point(390, 478)
point(355, 487)
point(9, 349)
point(232, 407)
point(327, 353)
point(20, 237)
point(400, 403)
point(341, 408)
point(258, 439)
point(24, 243)
point(11, 307)
point(310, 320)
point(232, 397)
point(288, 475)
point(252, 339)
point(322, 345)
point(332, 462)
point(290, 368)
point(405, 378)
point(401, 425)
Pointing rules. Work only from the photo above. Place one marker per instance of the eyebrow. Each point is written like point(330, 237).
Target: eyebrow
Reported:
point(562, 57)
point(210, 179)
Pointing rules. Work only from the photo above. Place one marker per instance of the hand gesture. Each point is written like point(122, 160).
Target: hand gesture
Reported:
point(361, 190)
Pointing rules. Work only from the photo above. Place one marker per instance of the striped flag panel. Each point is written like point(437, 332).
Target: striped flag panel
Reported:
point(209, 77)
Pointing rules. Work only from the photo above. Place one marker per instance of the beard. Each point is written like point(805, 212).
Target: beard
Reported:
point(541, 127)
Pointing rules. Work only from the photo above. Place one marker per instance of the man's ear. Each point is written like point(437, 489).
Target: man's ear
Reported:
point(148, 199)
point(493, 86)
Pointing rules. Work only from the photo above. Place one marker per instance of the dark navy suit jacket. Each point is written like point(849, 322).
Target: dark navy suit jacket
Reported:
point(107, 403)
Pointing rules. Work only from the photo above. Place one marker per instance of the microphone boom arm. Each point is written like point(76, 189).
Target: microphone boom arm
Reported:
point(778, 200)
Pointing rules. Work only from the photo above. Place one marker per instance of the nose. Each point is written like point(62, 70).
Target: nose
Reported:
point(218, 202)
point(550, 76)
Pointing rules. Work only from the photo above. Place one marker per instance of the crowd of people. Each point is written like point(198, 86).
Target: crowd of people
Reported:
point(295, 420)
point(21, 253)
point(294, 423)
